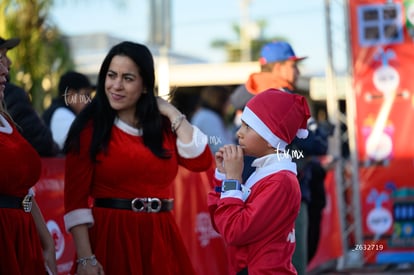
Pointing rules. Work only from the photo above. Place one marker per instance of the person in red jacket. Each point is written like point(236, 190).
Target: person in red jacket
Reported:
point(257, 218)
point(123, 151)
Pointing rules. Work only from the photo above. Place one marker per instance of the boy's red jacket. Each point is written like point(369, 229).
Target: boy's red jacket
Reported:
point(259, 231)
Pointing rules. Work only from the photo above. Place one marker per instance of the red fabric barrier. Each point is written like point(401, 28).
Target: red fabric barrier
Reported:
point(204, 244)
point(49, 196)
point(330, 246)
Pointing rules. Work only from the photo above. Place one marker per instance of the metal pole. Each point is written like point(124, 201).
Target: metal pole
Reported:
point(351, 118)
point(335, 141)
point(160, 23)
point(245, 43)
point(160, 36)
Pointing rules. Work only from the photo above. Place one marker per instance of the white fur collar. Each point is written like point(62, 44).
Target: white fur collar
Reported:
point(6, 128)
point(127, 128)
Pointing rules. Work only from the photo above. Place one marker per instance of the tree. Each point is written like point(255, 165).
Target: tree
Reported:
point(42, 55)
point(233, 48)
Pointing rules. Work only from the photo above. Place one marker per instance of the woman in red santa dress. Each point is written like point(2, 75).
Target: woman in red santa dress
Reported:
point(26, 244)
point(123, 151)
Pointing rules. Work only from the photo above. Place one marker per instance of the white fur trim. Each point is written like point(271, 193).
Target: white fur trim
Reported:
point(237, 194)
point(127, 128)
point(196, 147)
point(77, 217)
point(302, 133)
point(7, 129)
point(218, 175)
point(250, 118)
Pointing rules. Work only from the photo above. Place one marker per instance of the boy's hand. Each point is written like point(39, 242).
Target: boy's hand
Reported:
point(232, 161)
point(219, 160)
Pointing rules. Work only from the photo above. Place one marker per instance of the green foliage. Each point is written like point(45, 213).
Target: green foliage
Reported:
point(233, 48)
point(42, 55)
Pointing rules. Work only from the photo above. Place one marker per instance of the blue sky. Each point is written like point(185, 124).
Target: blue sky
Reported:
point(197, 23)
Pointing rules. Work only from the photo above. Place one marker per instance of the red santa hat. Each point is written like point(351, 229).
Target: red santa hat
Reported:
point(277, 116)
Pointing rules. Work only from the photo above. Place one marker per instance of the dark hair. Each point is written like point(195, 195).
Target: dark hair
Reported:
point(69, 80)
point(102, 115)
point(215, 98)
point(73, 80)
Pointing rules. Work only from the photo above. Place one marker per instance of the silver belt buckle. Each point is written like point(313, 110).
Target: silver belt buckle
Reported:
point(146, 205)
point(27, 203)
point(158, 205)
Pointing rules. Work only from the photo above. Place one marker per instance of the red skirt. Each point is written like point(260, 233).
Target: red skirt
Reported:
point(126, 242)
point(21, 251)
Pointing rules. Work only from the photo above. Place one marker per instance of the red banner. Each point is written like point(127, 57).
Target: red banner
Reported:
point(388, 212)
point(383, 84)
point(382, 58)
point(49, 196)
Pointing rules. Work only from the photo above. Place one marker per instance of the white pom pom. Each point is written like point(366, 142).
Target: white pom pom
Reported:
point(302, 133)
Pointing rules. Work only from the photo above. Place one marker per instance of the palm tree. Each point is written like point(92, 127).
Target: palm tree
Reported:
point(233, 48)
point(42, 55)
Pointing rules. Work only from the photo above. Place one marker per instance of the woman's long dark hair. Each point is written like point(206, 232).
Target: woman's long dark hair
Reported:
point(102, 115)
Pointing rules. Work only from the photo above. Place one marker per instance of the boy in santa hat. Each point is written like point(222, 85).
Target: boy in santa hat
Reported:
point(257, 218)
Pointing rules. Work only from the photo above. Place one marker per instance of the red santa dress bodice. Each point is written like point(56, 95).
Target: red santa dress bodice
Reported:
point(127, 242)
point(20, 168)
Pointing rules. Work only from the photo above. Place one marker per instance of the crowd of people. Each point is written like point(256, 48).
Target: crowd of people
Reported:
point(123, 146)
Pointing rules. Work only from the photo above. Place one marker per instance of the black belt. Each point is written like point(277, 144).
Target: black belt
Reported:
point(149, 205)
point(16, 202)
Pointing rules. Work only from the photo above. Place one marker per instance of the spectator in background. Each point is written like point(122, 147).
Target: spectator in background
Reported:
point(278, 69)
point(18, 105)
point(75, 92)
point(210, 117)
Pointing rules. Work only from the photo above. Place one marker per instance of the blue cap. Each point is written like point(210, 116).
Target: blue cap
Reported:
point(277, 51)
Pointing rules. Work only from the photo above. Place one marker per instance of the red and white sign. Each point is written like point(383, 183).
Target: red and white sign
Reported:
point(383, 86)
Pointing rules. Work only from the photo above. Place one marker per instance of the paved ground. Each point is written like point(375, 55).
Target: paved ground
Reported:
point(330, 269)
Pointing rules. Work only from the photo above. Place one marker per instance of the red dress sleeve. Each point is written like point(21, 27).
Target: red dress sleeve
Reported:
point(201, 163)
point(79, 170)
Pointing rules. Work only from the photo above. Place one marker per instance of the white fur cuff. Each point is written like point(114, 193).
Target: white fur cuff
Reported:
point(77, 217)
point(218, 175)
point(232, 194)
point(195, 148)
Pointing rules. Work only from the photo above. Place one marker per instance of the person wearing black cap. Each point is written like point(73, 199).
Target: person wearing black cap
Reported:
point(75, 92)
point(18, 105)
